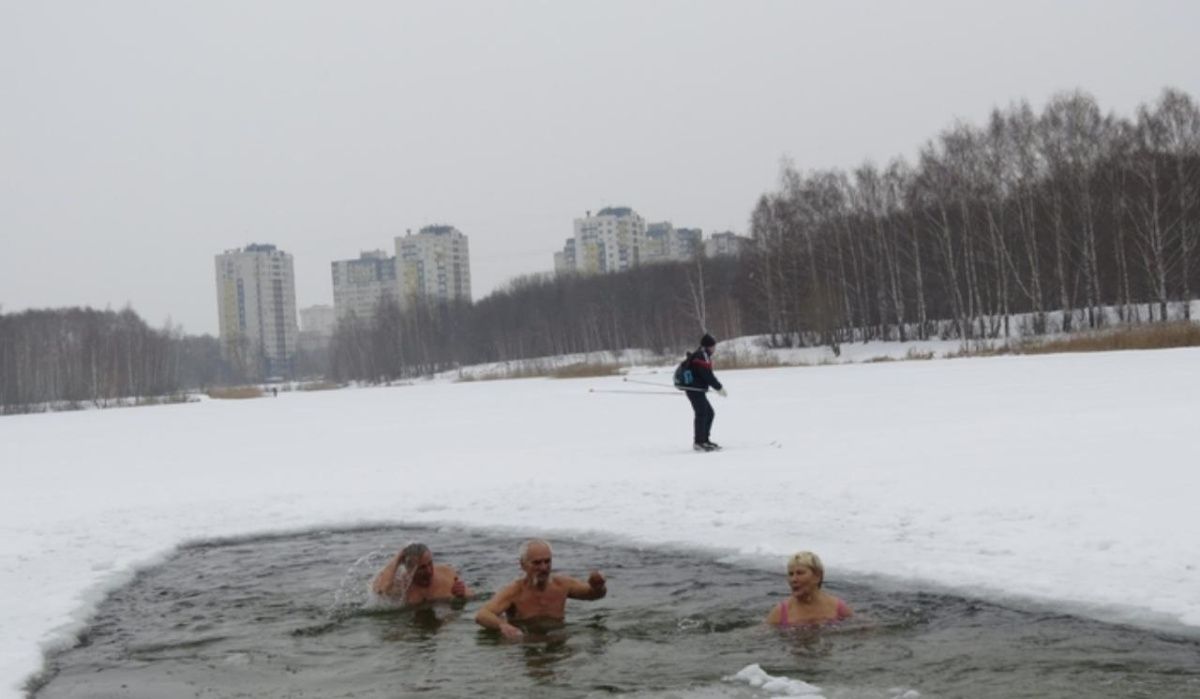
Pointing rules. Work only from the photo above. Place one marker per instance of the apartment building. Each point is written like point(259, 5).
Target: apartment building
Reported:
point(665, 242)
point(317, 324)
point(434, 263)
point(359, 285)
point(686, 243)
point(256, 310)
point(658, 242)
point(611, 241)
point(727, 243)
point(320, 319)
point(564, 260)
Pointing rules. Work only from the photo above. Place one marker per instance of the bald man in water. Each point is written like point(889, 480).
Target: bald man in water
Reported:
point(538, 595)
point(421, 581)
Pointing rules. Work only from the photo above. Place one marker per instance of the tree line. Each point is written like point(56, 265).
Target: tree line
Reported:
point(1052, 216)
point(1041, 219)
point(652, 306)
point(75, 356)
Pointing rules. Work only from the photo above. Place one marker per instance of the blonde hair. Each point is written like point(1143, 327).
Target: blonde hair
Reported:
point(809, 560)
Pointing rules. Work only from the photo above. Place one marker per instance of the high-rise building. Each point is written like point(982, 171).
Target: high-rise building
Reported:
point(610, 241)
point(665, 242)
point(658, 242)
point(317, 324)
point(686, 243)
point(256, 307)
point(359, 285)
point(727, 243)
point(318, 320)
point(434, 263)
point(564, 260)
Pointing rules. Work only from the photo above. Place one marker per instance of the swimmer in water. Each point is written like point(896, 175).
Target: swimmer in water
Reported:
point(537, 595)
point(808, 604)
point(412, 577)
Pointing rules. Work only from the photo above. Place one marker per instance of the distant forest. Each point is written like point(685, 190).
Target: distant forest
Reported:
point(78, 357)
point(1047, 217)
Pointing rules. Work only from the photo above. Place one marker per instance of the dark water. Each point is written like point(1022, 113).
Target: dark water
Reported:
point(289, 617)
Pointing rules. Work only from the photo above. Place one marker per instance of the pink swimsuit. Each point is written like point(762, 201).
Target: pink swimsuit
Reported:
point(842, 612)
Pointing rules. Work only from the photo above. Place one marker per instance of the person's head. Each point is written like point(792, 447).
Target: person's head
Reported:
point(708, 342)
point(536, 562)
point(418, 561)
point(805, 571)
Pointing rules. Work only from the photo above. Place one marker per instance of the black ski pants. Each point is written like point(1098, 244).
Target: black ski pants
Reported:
point(704, 415)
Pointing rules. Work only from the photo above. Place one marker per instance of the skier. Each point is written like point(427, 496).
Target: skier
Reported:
point(699, 364)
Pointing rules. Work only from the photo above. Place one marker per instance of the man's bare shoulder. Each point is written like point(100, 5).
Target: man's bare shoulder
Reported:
point(510, 590)
point(563, 581)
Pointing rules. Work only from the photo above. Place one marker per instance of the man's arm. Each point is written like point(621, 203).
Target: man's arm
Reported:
point(490, 616)
point(458, 588)
point(594, 588)
point(382, 585)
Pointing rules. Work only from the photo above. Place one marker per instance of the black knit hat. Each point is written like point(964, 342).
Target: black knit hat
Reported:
point(707, 341)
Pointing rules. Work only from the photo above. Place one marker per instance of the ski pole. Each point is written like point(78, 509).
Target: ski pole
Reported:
point(617, 390)
point(663, 385)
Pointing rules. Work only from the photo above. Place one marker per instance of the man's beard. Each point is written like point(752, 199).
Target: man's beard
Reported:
point(539, 580)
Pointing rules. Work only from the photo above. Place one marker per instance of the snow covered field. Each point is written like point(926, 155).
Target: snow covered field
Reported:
point(1058, 481)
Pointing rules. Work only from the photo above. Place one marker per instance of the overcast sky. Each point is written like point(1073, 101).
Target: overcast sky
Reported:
point(139, 139)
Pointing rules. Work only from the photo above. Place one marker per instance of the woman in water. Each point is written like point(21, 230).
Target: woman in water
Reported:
point(808, 604)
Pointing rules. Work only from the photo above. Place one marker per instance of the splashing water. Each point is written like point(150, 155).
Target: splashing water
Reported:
point(354, 594)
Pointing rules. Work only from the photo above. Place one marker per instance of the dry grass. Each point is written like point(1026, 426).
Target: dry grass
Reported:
point(235, 393)
point(1134, 337)
point(733, 361)
point(913, 354)
point(169, 399)
point(533, 370)
point(319, 386)
point(981, 350)
point(524, 371)
point(583, 370)
point(1127, 337)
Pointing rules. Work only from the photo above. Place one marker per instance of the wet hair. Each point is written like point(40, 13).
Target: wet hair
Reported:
point(708, 341)
point(809, 560)
point(411, 555)
point(524, 550)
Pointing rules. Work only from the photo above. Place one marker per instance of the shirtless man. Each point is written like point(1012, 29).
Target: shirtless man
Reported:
point(421, 581)
point(538, 595)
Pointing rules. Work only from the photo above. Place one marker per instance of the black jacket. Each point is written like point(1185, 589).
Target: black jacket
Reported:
point(702, 373)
